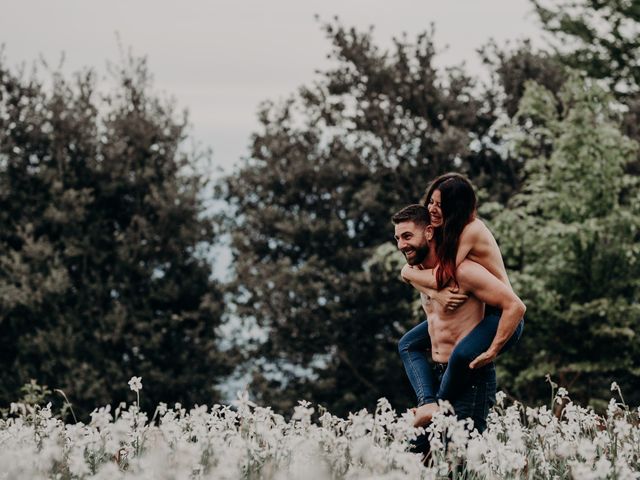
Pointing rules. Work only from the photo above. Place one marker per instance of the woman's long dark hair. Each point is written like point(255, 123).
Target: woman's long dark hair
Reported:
point(458, 203)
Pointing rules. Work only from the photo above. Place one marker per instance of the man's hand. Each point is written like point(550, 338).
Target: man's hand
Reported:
point(450, 298)
point(483, 359)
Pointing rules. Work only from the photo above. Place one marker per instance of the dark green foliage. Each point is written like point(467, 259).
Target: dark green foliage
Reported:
point(512, 69)
point(572, 235)
point(101, 231)
point(601, 38)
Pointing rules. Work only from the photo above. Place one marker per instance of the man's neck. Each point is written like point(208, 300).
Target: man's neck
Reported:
point(431, 261)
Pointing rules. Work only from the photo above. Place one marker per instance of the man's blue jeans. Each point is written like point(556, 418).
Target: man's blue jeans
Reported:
point(415, 348)
point(474, 401)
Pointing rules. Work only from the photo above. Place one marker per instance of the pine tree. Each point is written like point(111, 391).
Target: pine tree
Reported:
point(102, 235)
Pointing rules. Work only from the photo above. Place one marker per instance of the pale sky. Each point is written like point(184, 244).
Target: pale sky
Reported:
point(220, 59)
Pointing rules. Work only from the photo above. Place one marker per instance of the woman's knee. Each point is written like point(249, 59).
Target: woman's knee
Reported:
point(461, 357)
point(416, 339)
point(404, 344)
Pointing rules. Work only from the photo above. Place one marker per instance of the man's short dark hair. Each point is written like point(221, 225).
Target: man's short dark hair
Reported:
point(416, 213)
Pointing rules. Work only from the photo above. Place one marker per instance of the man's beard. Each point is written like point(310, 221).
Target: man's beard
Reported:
point(419, 255)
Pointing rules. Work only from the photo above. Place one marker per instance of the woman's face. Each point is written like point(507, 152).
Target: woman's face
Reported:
point(435, 210)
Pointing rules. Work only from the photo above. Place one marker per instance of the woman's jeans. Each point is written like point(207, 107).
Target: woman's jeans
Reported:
point(415, 348)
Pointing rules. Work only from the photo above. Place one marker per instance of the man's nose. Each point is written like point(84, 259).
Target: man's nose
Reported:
point(401, 244)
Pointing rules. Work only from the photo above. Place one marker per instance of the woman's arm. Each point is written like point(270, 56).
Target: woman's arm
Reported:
point(425, 282)
point(425, 278)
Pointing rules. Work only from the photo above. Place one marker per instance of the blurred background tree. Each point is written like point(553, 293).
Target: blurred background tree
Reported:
point(598, 37)
point(103, 272)
point(571, 238)
point(602, 39)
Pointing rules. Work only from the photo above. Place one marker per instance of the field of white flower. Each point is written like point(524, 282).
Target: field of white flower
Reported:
point(251, 442)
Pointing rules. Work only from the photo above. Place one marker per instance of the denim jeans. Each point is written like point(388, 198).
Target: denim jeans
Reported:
point(474, 401)
point(477, 397)
point(415, 347)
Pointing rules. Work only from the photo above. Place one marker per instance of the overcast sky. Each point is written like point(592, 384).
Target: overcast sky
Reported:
point(220, 59)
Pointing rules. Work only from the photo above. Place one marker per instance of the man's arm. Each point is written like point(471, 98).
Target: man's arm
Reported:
point(488, 289)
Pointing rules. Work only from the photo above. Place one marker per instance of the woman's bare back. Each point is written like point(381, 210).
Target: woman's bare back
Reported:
point(478, 244)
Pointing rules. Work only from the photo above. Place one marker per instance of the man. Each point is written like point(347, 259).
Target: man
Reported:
point(414, 237)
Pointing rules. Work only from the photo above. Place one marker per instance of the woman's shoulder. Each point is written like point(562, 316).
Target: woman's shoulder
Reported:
point(475, 227)
point(477, 231)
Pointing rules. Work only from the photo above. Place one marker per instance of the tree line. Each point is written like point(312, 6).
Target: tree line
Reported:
point(104, 230)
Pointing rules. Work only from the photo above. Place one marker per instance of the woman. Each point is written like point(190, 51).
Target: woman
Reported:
point(451, 202)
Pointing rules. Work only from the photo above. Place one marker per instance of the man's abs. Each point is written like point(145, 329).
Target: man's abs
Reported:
point(446, 329)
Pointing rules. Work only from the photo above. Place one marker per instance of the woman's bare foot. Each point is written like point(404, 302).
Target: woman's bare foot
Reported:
point(424, 414)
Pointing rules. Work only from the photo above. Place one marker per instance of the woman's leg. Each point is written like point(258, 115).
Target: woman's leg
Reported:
point(467, 349)
point(414, 348)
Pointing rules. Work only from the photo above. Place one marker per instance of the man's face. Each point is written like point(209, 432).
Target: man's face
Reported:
point(411, 240)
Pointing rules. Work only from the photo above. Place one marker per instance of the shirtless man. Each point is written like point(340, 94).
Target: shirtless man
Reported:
point(414, 237)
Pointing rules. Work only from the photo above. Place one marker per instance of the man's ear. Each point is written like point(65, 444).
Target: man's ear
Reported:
point(428, 232)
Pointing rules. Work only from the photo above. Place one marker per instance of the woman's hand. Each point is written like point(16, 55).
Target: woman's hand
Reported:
point(405, 272)
point(449, 298)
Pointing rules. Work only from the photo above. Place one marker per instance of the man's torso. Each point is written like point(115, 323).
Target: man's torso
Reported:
point(447, 328)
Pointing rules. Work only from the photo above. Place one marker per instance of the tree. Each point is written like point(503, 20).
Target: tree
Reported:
point(312, 205)
point(600, 38)
point(102, 235)
point(572, 238)
point(512, 68)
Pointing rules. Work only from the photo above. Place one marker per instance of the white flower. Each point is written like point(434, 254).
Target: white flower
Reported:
point(612, 408)
point(101, 418)
point(614, 386)
point(77, 465)
point(303, 412)
point(602, 468)
point(565, 449)
point(135, 384)
point(228, 443)
point(162, 408)
point(18, 408)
